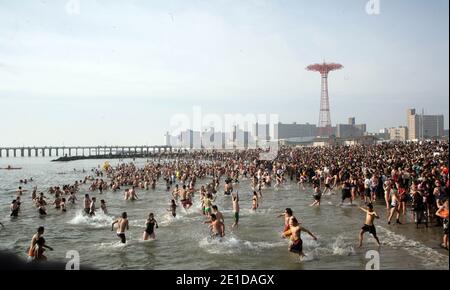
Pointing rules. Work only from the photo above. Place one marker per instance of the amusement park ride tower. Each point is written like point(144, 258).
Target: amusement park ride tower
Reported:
point(324, 116)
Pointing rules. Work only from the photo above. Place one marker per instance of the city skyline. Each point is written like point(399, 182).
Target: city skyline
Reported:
point(115, 74)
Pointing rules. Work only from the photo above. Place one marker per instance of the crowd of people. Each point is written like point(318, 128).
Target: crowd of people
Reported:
point(405, 178)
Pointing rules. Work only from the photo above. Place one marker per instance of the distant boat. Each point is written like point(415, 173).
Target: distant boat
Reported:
point(11, 168)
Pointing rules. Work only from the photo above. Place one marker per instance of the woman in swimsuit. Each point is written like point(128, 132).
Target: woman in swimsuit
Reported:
point(150, 228)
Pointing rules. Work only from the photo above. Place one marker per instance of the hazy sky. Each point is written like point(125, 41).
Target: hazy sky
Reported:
point(115, 73)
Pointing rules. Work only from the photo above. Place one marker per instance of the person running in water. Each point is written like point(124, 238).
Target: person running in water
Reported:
point(122, 225)
point(296, 243)
point(39, 250)
point(368, 225)
point(150, 225)
point(39, 234)
point(217, 227)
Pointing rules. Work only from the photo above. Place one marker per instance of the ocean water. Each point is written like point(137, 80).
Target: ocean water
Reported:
point(183, 242)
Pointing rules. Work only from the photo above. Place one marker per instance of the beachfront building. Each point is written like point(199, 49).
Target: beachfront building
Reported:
point(351, 129)
point(398, 133)
point(294, 130)
point(421, 126)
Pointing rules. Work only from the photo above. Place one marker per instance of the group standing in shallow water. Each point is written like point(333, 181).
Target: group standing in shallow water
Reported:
point(403, 174)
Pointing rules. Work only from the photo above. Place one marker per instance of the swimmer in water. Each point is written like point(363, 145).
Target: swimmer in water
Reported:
point(217, 227)
point(371, 215)
point(20, 191)
point(296, 243)
point(122, 225)
point(219, 216)
point(150, 225)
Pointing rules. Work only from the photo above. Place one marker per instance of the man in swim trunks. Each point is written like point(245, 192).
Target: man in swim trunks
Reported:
point(368, 225)
point(218, 214)
point(296, 243)
point(185, 198)
point(122, 225)
point(217, 227)
point(34, 240)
